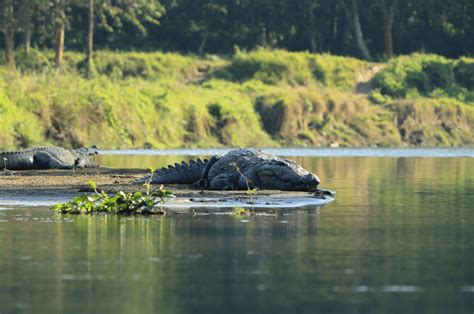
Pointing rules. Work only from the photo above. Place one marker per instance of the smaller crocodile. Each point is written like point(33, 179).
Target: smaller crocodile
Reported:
point(239, 169)
point(48, 157)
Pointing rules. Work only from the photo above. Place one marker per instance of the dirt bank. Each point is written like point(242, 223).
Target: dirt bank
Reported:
point(107, 179)
point(51, 179)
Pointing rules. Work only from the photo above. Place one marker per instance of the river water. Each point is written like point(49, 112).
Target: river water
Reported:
point(399, 237)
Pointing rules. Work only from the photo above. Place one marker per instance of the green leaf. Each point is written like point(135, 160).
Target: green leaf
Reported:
point(92, 184)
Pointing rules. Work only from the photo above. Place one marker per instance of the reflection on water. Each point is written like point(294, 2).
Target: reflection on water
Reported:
point(398, 237)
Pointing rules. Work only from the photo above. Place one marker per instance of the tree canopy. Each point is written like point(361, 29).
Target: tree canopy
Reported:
point(369, 29)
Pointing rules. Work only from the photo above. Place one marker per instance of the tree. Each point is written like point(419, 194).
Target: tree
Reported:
point(8, 29)
point(352, 14)
point(308, 10)
point(206, 20)
point(388, 11)
point(90, 34)
point(25, 12)
point(347, 27)
point(60, 23)
point(112, 15)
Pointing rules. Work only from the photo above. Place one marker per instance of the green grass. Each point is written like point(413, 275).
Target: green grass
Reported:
point(294, 68)
point(259, 98)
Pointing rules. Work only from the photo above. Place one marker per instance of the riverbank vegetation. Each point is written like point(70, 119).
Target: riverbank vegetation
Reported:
point(259, 98)
point(121, 203)
point(189, 73)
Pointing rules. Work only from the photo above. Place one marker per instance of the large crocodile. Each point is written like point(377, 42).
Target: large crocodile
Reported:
point(239, 169)
point(49, 157)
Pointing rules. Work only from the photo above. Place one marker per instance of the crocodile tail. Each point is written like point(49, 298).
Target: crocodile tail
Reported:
point(177, 174)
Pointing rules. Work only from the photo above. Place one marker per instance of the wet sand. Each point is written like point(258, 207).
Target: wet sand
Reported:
point(68, 179)
point(107, 179)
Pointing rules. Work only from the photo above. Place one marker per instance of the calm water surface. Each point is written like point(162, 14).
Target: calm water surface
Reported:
point(398, 238)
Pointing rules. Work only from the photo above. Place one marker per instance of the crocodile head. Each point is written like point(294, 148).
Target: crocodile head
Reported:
point(286, 175)
point(83, 160)
point(85, 151)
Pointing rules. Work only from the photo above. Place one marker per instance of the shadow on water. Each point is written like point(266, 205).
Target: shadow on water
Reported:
point(398, 238)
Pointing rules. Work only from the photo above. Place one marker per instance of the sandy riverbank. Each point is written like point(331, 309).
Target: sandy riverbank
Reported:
point(28, 186)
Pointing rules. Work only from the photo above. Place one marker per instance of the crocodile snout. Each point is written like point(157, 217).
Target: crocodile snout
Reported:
point(311, 180)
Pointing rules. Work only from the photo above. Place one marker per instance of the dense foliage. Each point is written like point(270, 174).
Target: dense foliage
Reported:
point(428, 75)
point(361, 28)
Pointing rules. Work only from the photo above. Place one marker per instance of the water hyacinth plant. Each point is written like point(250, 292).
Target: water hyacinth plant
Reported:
point(123, 203)
point(243, 212)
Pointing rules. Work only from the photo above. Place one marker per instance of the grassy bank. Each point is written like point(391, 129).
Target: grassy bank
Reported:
point(260, 98)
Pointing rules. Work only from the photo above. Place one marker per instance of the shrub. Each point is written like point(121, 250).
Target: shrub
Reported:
point(427, 76)
point(376, 97)
point(270, 67)
point(35, 60)
point(439, 74)
point(156, 65)
point(464, 73)
point(337, 72)
point(294, 68)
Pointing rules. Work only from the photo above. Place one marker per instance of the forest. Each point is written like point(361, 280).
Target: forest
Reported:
point(368, 29)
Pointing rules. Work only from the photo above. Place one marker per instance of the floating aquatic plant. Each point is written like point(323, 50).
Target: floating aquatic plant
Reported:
point(124, 203)
point(245, 212)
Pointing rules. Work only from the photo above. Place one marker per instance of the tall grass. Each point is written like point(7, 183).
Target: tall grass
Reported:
point(259, 98)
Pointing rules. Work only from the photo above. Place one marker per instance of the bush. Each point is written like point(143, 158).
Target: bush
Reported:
point(376, 97)
point(427, 76)
point(270, 67)
point(294, 68)
point(439, 74)
point(399, 75)
point(35, 60)
point(156, 65)
point(464, 73)
point(336, 72)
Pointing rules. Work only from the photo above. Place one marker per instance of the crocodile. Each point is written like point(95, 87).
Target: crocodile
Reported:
point(48, 157)
point(239, 169)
